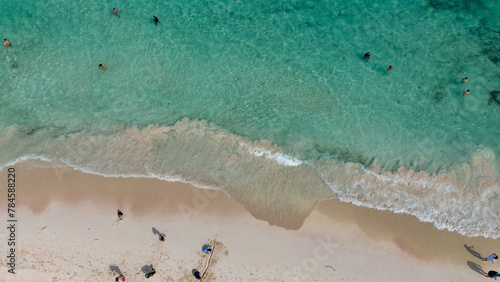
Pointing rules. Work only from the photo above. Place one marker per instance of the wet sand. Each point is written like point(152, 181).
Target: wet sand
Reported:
point(64, 213)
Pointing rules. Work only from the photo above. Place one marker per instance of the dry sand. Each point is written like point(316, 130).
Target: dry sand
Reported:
point(68, 230)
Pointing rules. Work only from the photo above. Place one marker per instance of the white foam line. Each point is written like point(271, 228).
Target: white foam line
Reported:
point(341, 196)
point(398, 179)
point(353, 200)
point(25, 158)
point(280, 158)
point(111, 175)
point(148, 175)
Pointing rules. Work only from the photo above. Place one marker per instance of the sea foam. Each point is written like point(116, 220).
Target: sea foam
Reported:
point(463, 199)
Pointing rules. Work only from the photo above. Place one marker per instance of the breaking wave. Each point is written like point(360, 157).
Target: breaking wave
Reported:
point(271, 183)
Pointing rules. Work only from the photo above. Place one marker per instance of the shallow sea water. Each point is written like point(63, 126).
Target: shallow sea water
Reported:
point(270, 101)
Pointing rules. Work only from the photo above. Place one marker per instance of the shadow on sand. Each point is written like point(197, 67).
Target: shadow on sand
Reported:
point(115, 269)
point(476, 267)
point(473, 252)
point(147, 268)
point(155, 231)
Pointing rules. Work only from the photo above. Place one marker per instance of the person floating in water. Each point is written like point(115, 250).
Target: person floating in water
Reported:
point(162, 237)
point(115, 11)
point(120, 214)
point(207, 250)
point(367, 56)
point(156, 20)
point(390, 68)
point(7, 43)
point(466, 92)
point(491, 258)
point(464, 79)
point(151, 273)
point(101, 66)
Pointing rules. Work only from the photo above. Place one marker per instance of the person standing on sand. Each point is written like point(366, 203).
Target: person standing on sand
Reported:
point(196, 274)
point(120, 278)
point(151, 273)
point(120, 214)
point(491, 258)
point(207, 250)
point(492, 274)
point(162, 237)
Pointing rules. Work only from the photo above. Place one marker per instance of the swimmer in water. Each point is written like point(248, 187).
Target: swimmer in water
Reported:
point(7, 43)
point(390, 68)
point(115, 11)
point(155, 19)
point(367, 56)
point(466, 92)
point(101, 66)
point(464, 79)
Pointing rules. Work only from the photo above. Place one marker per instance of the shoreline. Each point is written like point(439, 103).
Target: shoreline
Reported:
point(461, 199)
point(358, 237)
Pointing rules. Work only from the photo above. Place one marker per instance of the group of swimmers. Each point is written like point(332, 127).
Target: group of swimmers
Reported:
point(466, 92)
point(367, 57)
point(155, 19)
point(389, 68)
point(115, 11)
point(8, 43)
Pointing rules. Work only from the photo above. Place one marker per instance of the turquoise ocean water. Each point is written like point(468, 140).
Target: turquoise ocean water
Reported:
point(270, 101)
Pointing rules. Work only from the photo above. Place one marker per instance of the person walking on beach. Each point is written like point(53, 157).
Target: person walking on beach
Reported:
point(115, 11)
point(7, 43)
point(492, 274)
point(120, 214)
point(367, 56)
point(491, 258)
point(162, 237)
point(155, 20)
point(390, 68)
point(101, 66)
point(120, 278)
point(466, 92)
point(151, 273)
point(464, 80)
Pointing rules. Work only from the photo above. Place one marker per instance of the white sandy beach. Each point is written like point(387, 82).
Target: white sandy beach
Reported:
point(68, 230)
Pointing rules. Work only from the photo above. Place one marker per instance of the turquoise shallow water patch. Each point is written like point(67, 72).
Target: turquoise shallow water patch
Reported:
point(288, 72)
